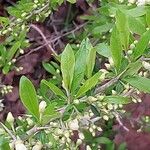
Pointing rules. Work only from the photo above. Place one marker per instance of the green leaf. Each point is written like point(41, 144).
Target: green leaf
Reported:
point(54, 88)
point(102, 29)
point(4, 144)
point(90, 62)
point(49, 68)
point(4, 21)
point(13, 50)
point(6, 69)
point(141, 83)
point(80, 64)
point(122, 146)
point(116, 48)
point(90, 83)
point(123, 28)
point(116, 99)
point(103, 140)
point(28, 96)
point(141, 45)
point(67, 66)
point(133, 68)
point(49, 113)
point(139, 28)
point(148, 17)
point(103, 49)
point(137, 11)
point(71, 1)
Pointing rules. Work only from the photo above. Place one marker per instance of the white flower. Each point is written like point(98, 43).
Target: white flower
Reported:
point(74, 124)
point(10, 118)
point(19, 145)
point(42, 106)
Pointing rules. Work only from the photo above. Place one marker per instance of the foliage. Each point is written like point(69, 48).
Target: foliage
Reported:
point(73, 111)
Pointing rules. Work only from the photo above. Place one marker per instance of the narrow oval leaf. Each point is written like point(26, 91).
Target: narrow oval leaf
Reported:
point(123, 28)
point(90, 83)
point(141, 45)
point(67, 66)
point(141, 83)
point(103, 49)
point(133, 68)
point(90, 62)
point(28, 96)
point(116, 48)
point(54, 88)
point(148, 17)
point(49, 68)
point(117, 100)
point(80, 64)
point(139, 28)
point(13, 50)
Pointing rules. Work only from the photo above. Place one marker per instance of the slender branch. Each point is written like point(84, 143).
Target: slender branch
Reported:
point(63, 35)
point(102, 88)
point(8, 131)
point(49, 47)
point(120, 122)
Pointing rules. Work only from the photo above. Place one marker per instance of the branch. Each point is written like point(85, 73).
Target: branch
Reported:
point(49, 47)
point(63, 35)
point(120, 122)
point(102, 88)
point(8, 131)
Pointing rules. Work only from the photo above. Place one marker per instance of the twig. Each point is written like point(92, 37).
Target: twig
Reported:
point(144, 59)
point(53, 40)
point(120, 122)
point(128, 93)
point(8, 131)
point(63, 35)
point(49, 47)
point(102, 88)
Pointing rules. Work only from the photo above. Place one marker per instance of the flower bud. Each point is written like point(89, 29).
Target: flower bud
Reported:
point(114, 92)
point(130, 52)
point(76, 101)
point(88, 147)
point(105, 117)
point(10, 119)
point(132, 46)
point(38, 146)
point(102, 77)
point(19, 145)
point(111, 61)
point(74, 124)
point(108, 66)
point(42, 106)
point(92, 99)
point(131, 1)
point(79, 142)
point(30, 122)
point(81, 136)
point(146, 65)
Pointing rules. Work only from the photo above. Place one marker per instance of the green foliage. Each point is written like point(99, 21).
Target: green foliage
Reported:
point(77, 93)
point(28, 96)
point(67, 66)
